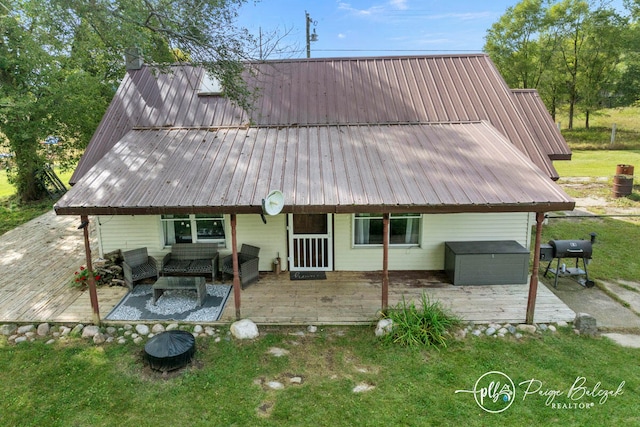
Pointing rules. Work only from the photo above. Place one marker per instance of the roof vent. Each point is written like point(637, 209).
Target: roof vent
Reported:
point(133, 58)
point(209, 85)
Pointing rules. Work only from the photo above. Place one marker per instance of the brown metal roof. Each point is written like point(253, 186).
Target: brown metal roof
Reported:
point(454, 167)
point(339, 91)
point(544, 129)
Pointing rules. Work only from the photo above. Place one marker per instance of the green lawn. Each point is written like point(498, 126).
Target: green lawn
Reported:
point(598, 163)
point(598, 136)
point(76, 383)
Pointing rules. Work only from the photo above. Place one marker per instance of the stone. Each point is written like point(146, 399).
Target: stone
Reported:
point(586, 324)
point(77, 330)
point(43, 329)
point(157, 328)
point(244, 329)
point(362, 387)
point(142, 329)
point(218, 339)
point(99, 338)
point(51, 341)
point(476, 332)
point(490, 331)
point(110, 339)
point(295, 380)
point(90, 331)
point(13, 337)
point(530, 329)
point(312, 329)
point(384, 327)
point(278, 352)
point(30, 334)
point(198, 329)
point(461, 334)
point(122, 340)
point(275, 385)
point(64, 331)
point(518, 335)
point(111, 330)
point(25, 328)
point(127, 327)
point(209, 331)
point(552, 328)
point(21, 339)
point(512, 329)
point(503, 331)
point(562, 324)
point(138, 340)
point(172, 327)
point(543, 327)
point(8, 329)
point(134, 336)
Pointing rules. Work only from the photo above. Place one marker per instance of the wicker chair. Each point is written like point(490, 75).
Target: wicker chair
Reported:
point(137, 265)
point(247, 264)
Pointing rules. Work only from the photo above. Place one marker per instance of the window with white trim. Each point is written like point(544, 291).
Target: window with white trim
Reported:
point(193, 228)
point(404, 229)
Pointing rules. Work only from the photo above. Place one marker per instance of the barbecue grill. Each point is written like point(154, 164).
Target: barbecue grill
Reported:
point(573, 249)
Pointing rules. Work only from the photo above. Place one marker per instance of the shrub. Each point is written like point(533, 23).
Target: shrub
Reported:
point(427, 325)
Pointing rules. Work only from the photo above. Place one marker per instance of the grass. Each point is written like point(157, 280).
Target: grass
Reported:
point(598, 136)
point(14, 213)
point(597, 163)
point(76, 383)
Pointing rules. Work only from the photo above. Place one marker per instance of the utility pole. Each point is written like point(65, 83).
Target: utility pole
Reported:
point(311, 37)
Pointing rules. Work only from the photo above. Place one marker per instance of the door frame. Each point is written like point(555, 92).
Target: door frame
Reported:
point(321, 242)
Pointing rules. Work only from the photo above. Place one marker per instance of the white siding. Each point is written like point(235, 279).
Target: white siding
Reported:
point(436, 229)
point(130, 232)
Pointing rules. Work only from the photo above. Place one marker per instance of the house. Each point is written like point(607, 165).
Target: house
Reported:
point(434, 148)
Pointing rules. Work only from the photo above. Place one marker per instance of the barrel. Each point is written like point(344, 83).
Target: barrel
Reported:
point(623, 181)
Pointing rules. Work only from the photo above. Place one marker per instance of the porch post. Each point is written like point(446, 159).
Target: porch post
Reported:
point(533, 283)
point(236, 274)
point(385, 261)
point(93, 294)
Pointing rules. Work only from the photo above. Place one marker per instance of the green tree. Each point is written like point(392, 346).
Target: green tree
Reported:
point(60, 61)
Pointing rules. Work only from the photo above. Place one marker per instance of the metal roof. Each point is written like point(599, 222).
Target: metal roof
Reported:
point(544, 129)
point(427, 168)
point(334, 91)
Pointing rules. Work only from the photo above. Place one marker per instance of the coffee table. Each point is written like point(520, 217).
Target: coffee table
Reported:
point(180, 282)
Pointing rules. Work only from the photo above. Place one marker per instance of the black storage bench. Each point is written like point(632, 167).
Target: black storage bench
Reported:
point(501, 262)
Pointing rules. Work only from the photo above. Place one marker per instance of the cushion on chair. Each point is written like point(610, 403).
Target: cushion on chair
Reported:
point(143, 271)
point(176, 266)
point(200, 266)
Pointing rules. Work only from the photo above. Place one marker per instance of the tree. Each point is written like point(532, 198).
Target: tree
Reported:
point(60, 61)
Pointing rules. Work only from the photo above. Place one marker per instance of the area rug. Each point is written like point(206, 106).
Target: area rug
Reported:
point(172, 305)
point(307, 275)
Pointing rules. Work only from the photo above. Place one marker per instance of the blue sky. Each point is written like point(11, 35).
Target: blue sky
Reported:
point(377, 27)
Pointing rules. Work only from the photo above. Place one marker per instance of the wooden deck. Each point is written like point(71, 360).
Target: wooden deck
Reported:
point(38, 260)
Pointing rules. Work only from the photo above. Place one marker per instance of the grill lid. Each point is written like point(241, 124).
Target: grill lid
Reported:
point(571, 248)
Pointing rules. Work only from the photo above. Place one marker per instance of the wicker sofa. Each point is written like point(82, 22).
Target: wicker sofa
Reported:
point(191, 259)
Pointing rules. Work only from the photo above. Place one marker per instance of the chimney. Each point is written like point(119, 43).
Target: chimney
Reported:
point(133, 58)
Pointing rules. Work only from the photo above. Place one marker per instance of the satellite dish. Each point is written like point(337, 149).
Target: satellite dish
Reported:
point(273, 203)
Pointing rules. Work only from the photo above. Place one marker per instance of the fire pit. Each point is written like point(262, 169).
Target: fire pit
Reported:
point(170, 350)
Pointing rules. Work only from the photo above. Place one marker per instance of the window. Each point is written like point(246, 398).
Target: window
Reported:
point(192, 228)
point(404, 229)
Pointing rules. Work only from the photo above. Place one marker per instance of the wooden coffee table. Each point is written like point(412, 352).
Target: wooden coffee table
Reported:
point(180, 282)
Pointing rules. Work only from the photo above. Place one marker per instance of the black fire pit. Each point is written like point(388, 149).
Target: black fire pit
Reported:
point(170, 350)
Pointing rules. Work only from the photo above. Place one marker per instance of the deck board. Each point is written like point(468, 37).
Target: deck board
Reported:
point(39, 259)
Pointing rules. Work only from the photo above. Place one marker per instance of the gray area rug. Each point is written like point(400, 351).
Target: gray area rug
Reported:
point(172, 305)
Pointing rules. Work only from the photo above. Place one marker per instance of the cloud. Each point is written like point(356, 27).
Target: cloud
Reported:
point(342, 36)
point(375, 10)
point(461, 16)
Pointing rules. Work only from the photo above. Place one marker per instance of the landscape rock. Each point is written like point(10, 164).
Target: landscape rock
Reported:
point(490, 331)
point(99, 338)
point(77, 330)
point(138, 340)
point(25, 328)
point(295, 380)
point(275, 385)
point(172, 326)
point(531, 329)
point(198, 329)
point(142, 329)
point(244, 329)
point(278, 352)
point(157, 328)
point(312, 329)
point(585, 324)
point(43, 329)
point(90, 331)
point(384, 327)
point(8, 329)
point(21, 339)
point(552, 328)
point(362, 387)
point(111, 330)
point(562, 324)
